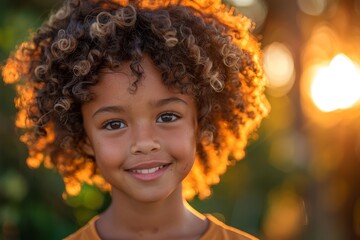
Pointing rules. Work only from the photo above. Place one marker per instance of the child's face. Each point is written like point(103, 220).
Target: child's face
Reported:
point(143, 142)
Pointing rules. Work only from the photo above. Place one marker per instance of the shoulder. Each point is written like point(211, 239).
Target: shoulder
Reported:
point(86, 232)
point(219, 230)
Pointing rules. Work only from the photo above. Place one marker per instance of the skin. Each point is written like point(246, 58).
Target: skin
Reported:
point(144, 144)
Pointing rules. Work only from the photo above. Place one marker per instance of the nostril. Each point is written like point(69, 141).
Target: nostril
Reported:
point(145, 147)
point(155, 149)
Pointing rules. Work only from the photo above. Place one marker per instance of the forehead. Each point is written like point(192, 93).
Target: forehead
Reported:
point(126, 80)
point(118, 84)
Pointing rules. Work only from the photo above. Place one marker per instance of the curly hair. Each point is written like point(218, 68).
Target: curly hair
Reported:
point(202, 48)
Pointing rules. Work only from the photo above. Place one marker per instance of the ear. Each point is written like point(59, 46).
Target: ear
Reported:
point(87, 147)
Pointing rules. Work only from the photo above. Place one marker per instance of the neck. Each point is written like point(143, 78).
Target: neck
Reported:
point(135, 214)
point(147, 220)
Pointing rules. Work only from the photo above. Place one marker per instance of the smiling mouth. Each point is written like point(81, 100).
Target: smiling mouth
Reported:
point(148, 170)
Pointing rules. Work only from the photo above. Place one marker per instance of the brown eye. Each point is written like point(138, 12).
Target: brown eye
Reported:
point(113, 125)
point(167, 117)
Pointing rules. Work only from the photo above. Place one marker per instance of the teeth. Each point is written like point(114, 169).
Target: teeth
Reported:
point(146, 171)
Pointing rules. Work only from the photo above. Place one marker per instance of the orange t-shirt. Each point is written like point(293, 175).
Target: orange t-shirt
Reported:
point(216, 230)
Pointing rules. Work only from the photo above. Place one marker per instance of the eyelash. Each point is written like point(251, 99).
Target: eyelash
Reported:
point(120, 124)
point(108, 124)
point(167, 114)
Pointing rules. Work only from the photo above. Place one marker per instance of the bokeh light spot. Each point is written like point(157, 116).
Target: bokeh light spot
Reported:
point(254, 9)
point(312, 7)
point(93, 199)
point(337, 85)
point(279, 68)
point(242, 3)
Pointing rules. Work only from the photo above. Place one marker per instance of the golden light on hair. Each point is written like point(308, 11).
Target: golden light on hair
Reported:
point(34, 160)
point(256, 10)
point(47, 162)
point(72, 186)
point(10, 73)
point(51, 90)
point(15, 67)
point(21, 118)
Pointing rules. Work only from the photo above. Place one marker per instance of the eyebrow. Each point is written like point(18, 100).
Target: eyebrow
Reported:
point(109, 109)
point(119, 109)
point(166, 101)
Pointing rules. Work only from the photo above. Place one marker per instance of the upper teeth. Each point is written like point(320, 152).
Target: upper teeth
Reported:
point(146, 171)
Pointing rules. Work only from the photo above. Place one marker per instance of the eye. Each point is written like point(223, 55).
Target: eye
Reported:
point(113, 125)
point(167, 117)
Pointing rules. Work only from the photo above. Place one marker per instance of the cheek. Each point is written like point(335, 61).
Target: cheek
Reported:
point(183, 147)
point(108, 154)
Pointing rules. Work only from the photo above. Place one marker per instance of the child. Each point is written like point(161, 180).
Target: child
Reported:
point(146, 99)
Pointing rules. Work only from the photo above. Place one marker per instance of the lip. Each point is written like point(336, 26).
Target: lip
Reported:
point(147, 165)
point(148, 171)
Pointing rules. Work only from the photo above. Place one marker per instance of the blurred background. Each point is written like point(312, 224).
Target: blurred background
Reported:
point(300, 178)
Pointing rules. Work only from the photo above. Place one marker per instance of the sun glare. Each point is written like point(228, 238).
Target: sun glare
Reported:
point(336, 86)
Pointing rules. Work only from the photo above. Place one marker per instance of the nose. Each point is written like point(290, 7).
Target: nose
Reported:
point(144, 140)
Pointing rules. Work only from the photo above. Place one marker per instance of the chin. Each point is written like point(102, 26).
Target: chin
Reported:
point(154, 196)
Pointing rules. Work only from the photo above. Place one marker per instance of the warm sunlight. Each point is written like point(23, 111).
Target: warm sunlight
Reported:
point(337, 85)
